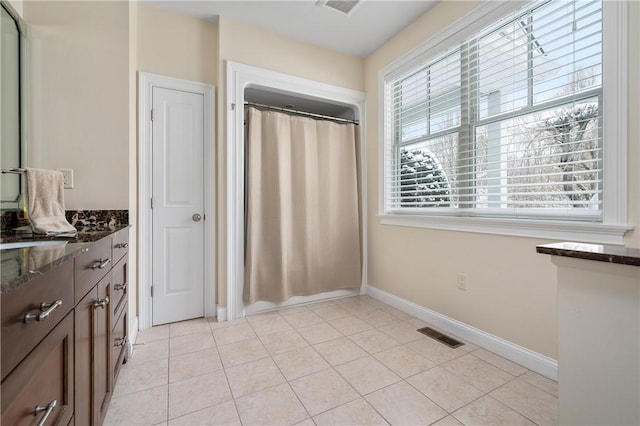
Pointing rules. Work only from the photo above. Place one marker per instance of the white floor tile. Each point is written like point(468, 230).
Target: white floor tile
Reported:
point(351, 360)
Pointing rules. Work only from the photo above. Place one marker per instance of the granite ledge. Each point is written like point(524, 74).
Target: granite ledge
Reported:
point(595, 252)
point(19, 266)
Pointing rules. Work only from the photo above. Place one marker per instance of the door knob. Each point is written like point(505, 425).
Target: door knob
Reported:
point(196, 217)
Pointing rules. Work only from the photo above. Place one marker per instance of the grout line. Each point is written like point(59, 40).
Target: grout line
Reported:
point(509, 406)
point(536, 386)
point(512, 408)
point(168, 376)
point(329, 365)
point(226, 378)
point(138, 391)
point(168, 395)
point(291, 388)
point(467, 404)
point(235, 406)
point(497, 366)
point(337, 406)
point(427, 396)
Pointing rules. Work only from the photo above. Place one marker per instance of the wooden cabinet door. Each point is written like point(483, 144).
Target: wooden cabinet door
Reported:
point(119, 289)
point(93, 354)
point(84, 327)
point(44, 376)
point(118, 340)
point(102, 352)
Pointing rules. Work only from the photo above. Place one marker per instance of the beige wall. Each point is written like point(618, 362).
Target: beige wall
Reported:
point(243, 43)
point(79, 102)
point(176, 45)
point(511, 289)
point(78, 97)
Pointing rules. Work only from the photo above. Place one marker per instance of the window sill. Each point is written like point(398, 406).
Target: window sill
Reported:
point(597, 233)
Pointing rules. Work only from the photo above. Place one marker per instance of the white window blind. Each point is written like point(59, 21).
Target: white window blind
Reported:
point(508, 122)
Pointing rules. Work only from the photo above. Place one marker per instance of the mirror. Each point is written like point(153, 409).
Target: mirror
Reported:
point(12, 154)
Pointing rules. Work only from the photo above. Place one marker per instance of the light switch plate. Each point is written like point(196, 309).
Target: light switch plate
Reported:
point(68, 177)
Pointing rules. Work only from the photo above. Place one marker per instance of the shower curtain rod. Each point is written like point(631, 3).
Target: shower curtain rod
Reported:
point(303, 113)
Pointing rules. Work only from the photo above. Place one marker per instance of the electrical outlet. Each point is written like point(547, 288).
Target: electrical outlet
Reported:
point(68, 177)
point(462, 281)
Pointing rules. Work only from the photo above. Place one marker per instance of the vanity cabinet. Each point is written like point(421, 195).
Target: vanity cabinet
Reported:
point(64, 333)
point(100, 325)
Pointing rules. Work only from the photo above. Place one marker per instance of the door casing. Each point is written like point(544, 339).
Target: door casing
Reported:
point(146, 83)
point(239, 77)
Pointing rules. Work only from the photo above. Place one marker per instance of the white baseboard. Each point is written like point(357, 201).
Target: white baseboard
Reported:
point(221, 315)
point(133, 336)
point(260, 307)
point(534, 361)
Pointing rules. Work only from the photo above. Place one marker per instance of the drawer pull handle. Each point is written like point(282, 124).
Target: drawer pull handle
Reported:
point(120, 287)
point(122, 245)
point(120, 341)
point(101, 303)
point(46, 309)
point(47, 410)
point(100, 264)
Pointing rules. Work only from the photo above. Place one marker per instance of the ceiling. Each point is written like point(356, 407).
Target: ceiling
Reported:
point(369, 26)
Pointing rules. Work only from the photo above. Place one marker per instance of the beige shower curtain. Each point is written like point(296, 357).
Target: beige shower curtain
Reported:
point(303, 222)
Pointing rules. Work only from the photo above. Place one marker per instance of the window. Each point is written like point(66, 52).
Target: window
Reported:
point(506, 122)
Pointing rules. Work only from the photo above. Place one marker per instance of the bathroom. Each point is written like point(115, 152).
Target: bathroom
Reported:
point(84, 61)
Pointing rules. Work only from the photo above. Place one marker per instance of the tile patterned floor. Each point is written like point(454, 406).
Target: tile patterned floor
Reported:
point(340, 362)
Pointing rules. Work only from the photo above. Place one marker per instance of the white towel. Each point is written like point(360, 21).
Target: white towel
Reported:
point(45, 203)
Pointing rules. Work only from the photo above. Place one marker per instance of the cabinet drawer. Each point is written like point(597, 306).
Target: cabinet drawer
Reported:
point(45, 376)
point(89, 267)
point(119, 289)
point(20, 337)
point(118, 340)
point(120, 244)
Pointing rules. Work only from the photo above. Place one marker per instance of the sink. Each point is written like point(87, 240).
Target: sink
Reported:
point(25, 244)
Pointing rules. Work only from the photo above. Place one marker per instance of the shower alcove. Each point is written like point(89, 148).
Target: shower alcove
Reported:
point(247, 84)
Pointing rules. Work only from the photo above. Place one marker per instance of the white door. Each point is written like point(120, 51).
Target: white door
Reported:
point(177, 205)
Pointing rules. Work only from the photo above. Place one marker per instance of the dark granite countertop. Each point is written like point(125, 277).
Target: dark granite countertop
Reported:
point(596, 252)
point(20, 265)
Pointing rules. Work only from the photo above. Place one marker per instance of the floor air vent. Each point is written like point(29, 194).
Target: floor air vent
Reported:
point(442, 338)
